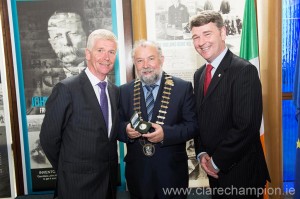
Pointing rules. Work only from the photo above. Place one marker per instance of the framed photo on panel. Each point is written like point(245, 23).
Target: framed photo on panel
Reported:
point(167, 23)
point(38, 64)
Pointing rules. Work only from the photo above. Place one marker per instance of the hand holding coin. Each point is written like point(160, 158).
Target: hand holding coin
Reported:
point(157, 135)
point(131, 133)
point(138, 124)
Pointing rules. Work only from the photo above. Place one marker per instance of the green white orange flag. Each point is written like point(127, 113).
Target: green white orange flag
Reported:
point(249, 47)
point(249, 41)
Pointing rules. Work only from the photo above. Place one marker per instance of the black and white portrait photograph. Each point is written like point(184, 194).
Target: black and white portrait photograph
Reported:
point(197, 176)
point(53, 37)
point(171, 18)
point(37, 156)
point(168, 24)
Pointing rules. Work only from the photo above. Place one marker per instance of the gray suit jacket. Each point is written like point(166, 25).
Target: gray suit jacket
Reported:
point(74, 138)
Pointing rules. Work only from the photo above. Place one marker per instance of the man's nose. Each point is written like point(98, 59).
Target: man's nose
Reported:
point(67, 40)
point(146, 65)
point(201, 41)
point(106, 55)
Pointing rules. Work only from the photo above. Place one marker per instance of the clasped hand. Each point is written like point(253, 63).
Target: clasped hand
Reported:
point(206, 164)
point(156, 136)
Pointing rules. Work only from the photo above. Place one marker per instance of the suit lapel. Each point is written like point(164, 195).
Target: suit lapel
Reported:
point(143, 104)
point(91, 97)
point(89, 92)
point(218, 75)
point(157, 102)
point(201, 85)
point(214, 82)
point(113, 104)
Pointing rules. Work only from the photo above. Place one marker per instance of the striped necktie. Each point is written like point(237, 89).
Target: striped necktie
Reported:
point(150, 100)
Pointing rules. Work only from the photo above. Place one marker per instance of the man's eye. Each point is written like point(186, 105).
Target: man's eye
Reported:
point(112, 52)
point(73, 33)
point(57, 36)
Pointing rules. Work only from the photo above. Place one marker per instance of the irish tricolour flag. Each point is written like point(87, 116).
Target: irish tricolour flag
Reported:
point(249, 42)
point(249, 46)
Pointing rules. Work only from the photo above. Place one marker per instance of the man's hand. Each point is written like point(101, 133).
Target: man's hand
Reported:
point(131, 133)
point(205, 162)
point(157, 135)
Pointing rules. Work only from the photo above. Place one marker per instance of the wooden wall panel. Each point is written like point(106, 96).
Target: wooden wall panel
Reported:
point(16, 145)
point(127, 16)
point(269, 29)
point(139, 20)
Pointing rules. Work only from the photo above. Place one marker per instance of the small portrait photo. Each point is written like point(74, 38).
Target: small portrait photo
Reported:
point(37, 156)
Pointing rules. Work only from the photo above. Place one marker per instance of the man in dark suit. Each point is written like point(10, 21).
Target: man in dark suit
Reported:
point(229, 111)
point(177, 15)
point(78, 134)
point(225, 7)
point(156, 160)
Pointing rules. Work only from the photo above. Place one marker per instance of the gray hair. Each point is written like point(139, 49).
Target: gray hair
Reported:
point(100, 34)
point(61, 16)
point(145, 43)
point(205, 17)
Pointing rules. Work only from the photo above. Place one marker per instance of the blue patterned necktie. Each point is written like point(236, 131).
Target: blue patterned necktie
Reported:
point(104, 101)
point(149, 100)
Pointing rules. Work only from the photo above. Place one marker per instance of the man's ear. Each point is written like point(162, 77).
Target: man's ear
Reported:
point(52, 43)
point(87, 54)
point(162, 59)
point(223, 33)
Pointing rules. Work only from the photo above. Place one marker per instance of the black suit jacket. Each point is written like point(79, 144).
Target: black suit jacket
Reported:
point(74, 138)
point(229, 118)
point(168, 167)
point(178, 16)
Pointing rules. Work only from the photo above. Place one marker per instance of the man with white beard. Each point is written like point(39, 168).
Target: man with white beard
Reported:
point(157, 118)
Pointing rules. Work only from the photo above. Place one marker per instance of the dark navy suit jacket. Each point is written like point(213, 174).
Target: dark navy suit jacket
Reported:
point(168, 167)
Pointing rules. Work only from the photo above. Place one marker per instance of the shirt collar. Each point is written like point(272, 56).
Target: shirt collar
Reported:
point(218, 59)
point(94, 80)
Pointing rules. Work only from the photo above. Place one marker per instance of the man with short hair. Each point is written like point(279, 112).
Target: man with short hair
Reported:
point(79, 130)
point(229, 107)
point(156, 160)
point(178, 14)
point(68, 38)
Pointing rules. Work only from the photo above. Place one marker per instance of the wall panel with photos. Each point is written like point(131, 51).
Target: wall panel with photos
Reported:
point(7, 182)
point(38, 65)
point(168, 25)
